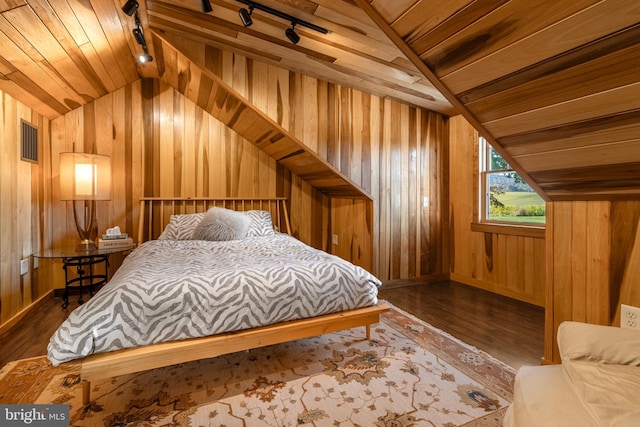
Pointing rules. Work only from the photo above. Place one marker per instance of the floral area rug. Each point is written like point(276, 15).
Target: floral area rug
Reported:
point(408, 374)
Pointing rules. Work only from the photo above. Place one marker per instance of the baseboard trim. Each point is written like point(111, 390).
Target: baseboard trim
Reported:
point(492, 287)
point(13, 322)
point(422, 280)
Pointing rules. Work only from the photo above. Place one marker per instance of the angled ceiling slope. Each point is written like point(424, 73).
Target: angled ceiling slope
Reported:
point(58, 55)
point(210, 93)
point(553, 85)
point(355, 52)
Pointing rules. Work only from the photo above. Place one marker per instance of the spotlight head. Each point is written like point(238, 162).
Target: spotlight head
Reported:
point(245, 16)
point(292, 35)
point(146, 57)
point(137, 33)
point(130, 7)
point(206, 6)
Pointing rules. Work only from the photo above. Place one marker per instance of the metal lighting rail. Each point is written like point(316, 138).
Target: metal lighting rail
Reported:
point(287, 17)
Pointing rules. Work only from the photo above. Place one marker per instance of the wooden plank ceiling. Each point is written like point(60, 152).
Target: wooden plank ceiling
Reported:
point(553, 85)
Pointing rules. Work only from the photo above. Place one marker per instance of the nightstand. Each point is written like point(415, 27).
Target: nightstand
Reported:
point(86, 264)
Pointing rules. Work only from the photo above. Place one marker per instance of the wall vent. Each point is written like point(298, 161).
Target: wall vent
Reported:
point(29, 142)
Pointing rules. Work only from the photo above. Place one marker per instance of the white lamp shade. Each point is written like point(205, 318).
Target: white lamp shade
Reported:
point(85, 176)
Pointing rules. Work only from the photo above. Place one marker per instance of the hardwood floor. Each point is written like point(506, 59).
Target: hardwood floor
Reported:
point(509, 330)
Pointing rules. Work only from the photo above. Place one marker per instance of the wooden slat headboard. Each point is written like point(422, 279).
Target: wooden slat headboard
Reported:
point(155, 212)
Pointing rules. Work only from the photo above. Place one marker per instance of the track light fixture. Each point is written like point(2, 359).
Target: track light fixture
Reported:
point(206, 6)
point(138, 33)
point(245, 17)
point(291, 34)
point(130, 7)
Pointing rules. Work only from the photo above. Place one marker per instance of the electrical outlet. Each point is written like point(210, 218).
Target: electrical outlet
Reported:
point(24, 266)
point(630, 317)
point(334, 239)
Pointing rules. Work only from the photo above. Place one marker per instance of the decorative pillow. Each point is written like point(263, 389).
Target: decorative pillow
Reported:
point(181, 226)
point(261, 223)
point(598, 343)
point(222, 224)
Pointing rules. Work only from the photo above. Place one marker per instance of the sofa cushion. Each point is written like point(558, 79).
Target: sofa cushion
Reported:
point(609, 392)
point(597, 343)
point(543, 396)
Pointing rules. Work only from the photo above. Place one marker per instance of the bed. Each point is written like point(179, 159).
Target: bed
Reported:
point(241, 282)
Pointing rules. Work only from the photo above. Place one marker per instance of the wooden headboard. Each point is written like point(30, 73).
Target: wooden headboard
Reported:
point(155, 212)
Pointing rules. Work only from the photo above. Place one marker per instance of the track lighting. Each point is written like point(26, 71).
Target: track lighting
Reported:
point(130, 7)
point(291, 34)
point(138, 33)
point(245, 16)
point(206, 6)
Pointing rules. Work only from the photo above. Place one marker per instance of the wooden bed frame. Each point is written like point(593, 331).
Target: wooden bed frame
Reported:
point(154, 215)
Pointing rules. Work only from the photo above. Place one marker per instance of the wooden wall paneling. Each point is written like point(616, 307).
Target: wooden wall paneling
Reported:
point(9, 275)
point(385, 202)
point(579, 255)
point(356, 136)
point(463, 259)
point(25, 224)
point(40, 200)
point(345, 130)
point(351, 223)
point(396, 184)
point(403, 188)
point(413, 193)
point(436, 133)
point(628, 289)
point(578, 264)
point(625, 246)
point(598, 255)
point(375, 176)
point(562, 268)
point(549, 291)
point(512, 265)
point(21, 212)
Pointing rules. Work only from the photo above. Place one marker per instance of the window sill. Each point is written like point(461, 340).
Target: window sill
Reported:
point(535, 231)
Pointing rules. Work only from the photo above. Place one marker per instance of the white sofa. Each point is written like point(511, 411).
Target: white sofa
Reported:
point(597, 384)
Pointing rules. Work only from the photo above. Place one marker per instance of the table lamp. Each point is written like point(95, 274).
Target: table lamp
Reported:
point(86, 178)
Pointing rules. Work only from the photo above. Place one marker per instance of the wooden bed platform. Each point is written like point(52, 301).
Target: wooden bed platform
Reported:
point(154, 215)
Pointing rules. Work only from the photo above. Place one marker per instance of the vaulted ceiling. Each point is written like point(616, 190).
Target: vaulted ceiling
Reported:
point(554, 85)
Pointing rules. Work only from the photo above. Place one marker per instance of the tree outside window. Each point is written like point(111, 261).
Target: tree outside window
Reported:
point(508, 198)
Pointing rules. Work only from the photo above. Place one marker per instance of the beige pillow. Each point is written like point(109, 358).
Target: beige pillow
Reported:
point(597, 343)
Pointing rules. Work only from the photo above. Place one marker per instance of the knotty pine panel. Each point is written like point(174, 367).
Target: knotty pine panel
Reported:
point(511, 265)
point(21, 206)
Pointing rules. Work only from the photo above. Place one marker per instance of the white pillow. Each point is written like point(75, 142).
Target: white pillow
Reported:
point(181, 226)
point(261, 223)
point(222, 224)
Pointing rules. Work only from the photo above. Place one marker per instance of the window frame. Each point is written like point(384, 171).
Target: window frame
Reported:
point(483, 223)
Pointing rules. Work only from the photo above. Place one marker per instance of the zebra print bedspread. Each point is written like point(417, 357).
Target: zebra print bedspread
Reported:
point(168, 290)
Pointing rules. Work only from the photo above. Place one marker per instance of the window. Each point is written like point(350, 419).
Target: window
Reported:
point(506, 197)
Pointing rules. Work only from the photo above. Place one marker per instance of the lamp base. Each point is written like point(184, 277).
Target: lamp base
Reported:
point(86, 246)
